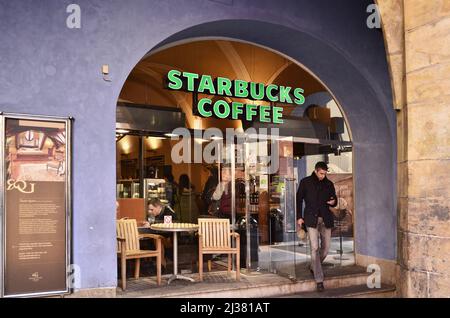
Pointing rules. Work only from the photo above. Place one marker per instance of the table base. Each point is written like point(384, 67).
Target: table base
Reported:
point(173, 277)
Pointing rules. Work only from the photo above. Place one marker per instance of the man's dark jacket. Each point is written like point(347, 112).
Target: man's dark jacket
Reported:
point(165, 211)
point(316, 193)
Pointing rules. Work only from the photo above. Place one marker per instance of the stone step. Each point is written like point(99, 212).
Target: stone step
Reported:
point(355, 291)
point(220, 284)
point(272, 289)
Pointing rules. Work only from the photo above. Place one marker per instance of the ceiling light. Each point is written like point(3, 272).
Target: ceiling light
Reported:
point(171, 135)
point(122, 131)
point(156, 137)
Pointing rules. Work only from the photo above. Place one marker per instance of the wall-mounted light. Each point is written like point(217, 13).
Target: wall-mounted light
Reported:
point(105, 72)
point(105, 69)
point(154, 142)
point(126, 146)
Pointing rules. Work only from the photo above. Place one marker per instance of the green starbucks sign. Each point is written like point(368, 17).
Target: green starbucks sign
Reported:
point(222, 86)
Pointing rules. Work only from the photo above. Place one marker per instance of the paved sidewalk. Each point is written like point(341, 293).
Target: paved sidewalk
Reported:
point(223, 284)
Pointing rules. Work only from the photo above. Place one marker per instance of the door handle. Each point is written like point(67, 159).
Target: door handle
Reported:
point(285, 218)
point(289, 180)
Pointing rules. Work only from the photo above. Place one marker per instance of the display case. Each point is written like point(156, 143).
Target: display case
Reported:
point(155, 188)
point(128, 188)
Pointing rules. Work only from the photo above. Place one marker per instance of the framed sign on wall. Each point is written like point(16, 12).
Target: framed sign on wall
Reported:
point(35, 154)
point(343, 212)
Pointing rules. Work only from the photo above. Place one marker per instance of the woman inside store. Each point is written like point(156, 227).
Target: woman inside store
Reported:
point(170, 188)
point(221, 197)
point(209, 188)
point(186, 207)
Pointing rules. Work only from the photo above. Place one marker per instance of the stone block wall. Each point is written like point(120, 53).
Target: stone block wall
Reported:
point(417, 35)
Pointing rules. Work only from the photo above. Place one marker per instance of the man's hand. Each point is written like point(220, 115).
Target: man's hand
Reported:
point(331, 202)
point(300, 222)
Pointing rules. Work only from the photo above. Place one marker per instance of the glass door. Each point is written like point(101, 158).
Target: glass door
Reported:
point(283, 245)
point(266, 210)
point(258, 174)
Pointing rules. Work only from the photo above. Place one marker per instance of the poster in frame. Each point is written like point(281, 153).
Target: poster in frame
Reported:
point(35, 170)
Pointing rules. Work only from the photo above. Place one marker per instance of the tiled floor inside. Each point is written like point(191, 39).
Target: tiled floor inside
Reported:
point(279, 258)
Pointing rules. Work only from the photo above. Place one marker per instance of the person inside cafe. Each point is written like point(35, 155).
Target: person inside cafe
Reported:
point(209, 188)
point(222, 195)
point(187, 208)
point(156, 213)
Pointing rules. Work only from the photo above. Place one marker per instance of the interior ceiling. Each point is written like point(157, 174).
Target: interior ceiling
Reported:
point(234, 60)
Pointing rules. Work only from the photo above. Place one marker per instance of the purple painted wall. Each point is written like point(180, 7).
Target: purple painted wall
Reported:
point(49, 69)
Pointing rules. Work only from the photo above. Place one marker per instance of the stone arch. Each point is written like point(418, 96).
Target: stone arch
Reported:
point(371, 125)
point(63, 78)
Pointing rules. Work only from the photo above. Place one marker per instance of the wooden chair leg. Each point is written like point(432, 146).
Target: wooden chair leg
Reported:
point(159, 259)
point(229, 263)
point(158, 270)
point(123, 269)
point(200, 266)
point(163, 257)
point(238, 267)
point(137, 268)
point(209, 265)
point(193, 264)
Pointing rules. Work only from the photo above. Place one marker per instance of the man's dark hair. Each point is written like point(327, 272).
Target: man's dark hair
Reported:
point(155, 202)
point(321, 165)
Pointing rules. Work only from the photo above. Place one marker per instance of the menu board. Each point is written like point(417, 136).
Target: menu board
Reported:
point(343, 212)
point(35, 202)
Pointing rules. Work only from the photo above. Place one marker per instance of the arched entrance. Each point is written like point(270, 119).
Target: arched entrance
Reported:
point(312, 131)
point(370, 126)
point(367, 112)
point(329, 38)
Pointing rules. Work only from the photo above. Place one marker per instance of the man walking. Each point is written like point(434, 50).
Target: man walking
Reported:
point(319, 194)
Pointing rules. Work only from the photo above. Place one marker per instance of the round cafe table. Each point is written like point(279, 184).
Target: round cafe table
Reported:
point(175, 228)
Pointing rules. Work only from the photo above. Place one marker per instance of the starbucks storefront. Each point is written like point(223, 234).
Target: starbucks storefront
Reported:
point(250, 95)
point(243, 146)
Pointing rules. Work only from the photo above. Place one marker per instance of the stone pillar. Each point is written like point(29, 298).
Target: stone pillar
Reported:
point(392, 21)
point(425, 231)
point(421, 87)
point(391, 12)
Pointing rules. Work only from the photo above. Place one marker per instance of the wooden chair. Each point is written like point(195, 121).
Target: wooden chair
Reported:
point(128, 248)
point(57, 163)
point(214, 237)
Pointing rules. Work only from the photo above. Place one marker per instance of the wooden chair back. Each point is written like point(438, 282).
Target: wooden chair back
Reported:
point(127, 229)
point(128, 248)
point(214, 233)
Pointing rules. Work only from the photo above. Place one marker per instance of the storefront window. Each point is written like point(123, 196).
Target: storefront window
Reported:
point(253, 177)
